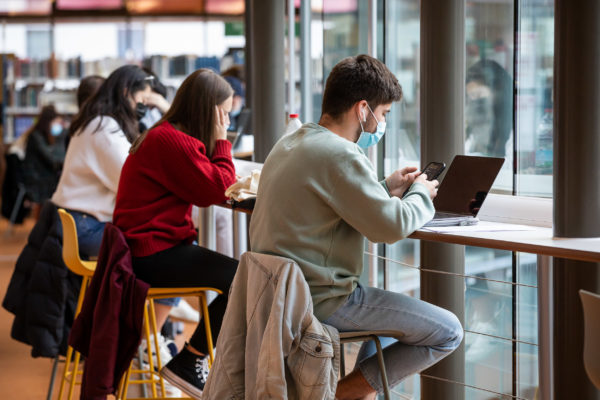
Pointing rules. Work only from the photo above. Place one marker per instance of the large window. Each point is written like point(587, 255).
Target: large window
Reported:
point(489, 37)
point(508, 114)
point(535, 57)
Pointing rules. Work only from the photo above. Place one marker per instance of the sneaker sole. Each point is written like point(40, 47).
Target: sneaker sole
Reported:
point(180, 383)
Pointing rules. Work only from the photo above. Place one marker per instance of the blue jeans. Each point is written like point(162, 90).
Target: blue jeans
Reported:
point(426, 333)
point(89, 234)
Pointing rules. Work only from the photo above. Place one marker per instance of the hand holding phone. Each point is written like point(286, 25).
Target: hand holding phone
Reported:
point(433, 170)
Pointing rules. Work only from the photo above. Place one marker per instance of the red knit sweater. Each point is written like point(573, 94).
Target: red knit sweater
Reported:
point(159, 183)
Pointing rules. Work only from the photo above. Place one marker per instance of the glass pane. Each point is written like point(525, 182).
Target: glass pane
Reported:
point(489, 84)
point(526, 301)
point(488, 303)
point(535, 57)
point(338, 30)
point(204, 39)
point(527, 367)
point(466, 392)
point(341, 34)
point(488, 363)
point(16, 39)
point(400, 278)
point(72, 40)
point(39, 43)
point(88, 4)
point(402, 141)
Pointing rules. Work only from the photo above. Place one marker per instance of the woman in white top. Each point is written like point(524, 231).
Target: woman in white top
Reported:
point(102, 134)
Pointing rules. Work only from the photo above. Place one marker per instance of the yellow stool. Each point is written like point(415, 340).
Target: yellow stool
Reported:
point(151, 374)
point(70, 253)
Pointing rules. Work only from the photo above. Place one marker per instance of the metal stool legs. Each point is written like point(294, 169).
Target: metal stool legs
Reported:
point(151, 375)
point(346, 337)
point(53, 377)
point(70, 374)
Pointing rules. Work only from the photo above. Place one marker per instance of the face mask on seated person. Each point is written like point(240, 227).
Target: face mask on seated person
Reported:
point(140, 110)
point(368, 139)
point(235, 113)
point(56, 129)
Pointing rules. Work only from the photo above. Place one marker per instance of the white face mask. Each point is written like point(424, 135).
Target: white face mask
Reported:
point(368, 139)
point(56, 129)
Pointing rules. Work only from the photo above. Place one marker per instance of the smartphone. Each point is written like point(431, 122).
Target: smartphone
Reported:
point(433, 170)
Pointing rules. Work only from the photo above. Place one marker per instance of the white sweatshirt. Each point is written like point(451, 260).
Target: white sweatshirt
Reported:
point(92, 167)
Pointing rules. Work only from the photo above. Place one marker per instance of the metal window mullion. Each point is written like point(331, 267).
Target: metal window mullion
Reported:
point(291, 56)
point(305, 61)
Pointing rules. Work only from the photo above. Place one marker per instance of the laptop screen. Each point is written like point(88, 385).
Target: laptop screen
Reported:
point(466, 184)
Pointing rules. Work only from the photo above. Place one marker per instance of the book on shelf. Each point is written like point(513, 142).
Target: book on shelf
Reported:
point(169, 67)
point(22, 124)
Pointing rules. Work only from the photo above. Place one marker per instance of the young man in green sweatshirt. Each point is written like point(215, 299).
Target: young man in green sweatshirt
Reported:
point(319, 198)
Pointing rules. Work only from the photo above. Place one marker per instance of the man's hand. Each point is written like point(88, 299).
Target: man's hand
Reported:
point(401, 180)
point(430, 185)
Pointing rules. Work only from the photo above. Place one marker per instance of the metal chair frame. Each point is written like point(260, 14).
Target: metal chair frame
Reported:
point(151, 374)
point(363, 336)
point(72, 360)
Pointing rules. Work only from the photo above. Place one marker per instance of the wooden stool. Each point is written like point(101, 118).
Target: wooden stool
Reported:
point(151, 375)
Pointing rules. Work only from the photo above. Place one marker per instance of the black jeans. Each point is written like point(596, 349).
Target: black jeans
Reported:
point(191, 266)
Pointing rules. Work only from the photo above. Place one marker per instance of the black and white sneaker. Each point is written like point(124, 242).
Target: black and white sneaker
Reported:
point(188, 372)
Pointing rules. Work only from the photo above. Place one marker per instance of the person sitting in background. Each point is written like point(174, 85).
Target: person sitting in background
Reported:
point(235, 77)
point(183, 160)
point(88, 86)
point(319, 198)
point(44, 156)
point(488, 109)
point(156, 103)
point(101, 135)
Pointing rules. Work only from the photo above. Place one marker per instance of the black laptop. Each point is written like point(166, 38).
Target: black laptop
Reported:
point(463, 190)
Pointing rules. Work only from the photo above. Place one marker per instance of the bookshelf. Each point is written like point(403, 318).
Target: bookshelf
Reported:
point(28, 85)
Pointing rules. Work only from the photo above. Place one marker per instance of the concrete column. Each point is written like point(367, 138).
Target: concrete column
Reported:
point(267, 19)
point(576, 182)
point(442, 137)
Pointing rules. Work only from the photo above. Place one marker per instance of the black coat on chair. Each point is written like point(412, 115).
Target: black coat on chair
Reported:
point(42, 293)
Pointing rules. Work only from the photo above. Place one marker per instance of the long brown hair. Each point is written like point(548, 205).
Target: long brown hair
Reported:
point(193, 108)
point(112, 99)
point(47, 115)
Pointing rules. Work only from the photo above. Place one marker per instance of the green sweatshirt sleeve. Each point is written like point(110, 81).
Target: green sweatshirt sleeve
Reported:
point(385, 186)
point(366, 205)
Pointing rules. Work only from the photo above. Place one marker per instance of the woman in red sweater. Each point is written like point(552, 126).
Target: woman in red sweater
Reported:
point(183, 160)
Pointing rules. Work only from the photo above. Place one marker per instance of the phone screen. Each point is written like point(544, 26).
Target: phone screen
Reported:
point(433, 170)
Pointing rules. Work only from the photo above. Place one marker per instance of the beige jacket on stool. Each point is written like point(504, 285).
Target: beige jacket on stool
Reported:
point(270, 345)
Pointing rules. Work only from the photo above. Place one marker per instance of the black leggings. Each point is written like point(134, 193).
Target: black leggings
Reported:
point(191, 266)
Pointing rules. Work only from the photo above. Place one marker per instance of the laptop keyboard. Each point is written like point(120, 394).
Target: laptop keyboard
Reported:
point(441, 214)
